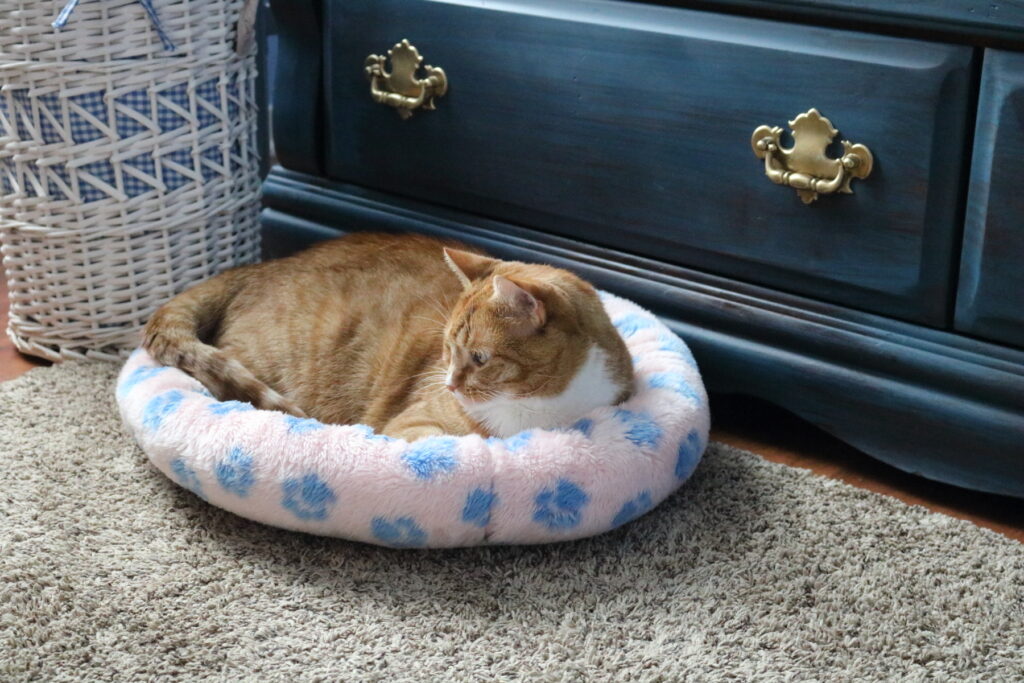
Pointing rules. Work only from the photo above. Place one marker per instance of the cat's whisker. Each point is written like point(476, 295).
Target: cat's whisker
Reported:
point(430, 319)
point(437, 384)
point(431, 372)
point(435, 303)
point(433, 379)
point(531, 411)
point(537, 390)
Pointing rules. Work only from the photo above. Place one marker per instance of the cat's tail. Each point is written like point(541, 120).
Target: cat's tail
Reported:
point(174, 336)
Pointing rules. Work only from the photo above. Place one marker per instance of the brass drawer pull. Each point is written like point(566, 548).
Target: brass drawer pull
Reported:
point(401, 88)
point(804, 166)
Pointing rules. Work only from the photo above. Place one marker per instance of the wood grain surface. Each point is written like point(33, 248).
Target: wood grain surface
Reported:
point(629, 126)
point(990, 303)
point(12, 363)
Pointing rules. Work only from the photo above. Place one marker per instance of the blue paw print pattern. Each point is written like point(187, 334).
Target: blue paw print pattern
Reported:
point(674, 381)
point(234, 473)
point(561, 506)
point(477, 509)
point(160, 407)
point(371, 435)
point(402, 532)
point(690, 451)
point(137, 376)
point(632, 509)
point(302, 425)
point(308, 497)
point(586, 425)
point(640, 428)
point(672, 343)
point(187, 477)
point(513, 443)
point(631, 323)
point(225, 407)
point(431, 457)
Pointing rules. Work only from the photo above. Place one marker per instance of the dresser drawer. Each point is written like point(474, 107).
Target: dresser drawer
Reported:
point(630, 126)
point(990, 302)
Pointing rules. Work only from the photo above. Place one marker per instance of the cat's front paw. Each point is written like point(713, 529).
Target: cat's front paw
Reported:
point(416, 433)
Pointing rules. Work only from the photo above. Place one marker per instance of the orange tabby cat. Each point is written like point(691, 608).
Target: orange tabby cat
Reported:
point(408, 334)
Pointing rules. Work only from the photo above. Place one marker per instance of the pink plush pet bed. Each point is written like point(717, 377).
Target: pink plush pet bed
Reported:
point(539, 486)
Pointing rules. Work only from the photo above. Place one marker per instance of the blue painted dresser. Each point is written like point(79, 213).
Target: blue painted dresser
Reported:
point(614, 138)
point(990, 300)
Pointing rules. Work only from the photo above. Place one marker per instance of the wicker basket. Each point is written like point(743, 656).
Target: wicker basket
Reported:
point(128, 171)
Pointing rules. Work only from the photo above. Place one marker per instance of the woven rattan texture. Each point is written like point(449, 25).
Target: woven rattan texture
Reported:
point(128, 171)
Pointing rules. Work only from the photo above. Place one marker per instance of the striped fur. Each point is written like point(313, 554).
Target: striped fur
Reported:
point(389, 331)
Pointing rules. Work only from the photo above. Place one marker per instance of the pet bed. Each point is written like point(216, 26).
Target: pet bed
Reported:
point(538, 486)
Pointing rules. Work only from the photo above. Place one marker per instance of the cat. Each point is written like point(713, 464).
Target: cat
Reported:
point(410, 335)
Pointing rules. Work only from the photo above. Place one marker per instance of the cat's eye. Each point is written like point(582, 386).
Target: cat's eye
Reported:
point(479, 358)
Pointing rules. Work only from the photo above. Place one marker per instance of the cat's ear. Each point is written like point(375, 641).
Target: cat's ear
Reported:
point(525, 305)
point(467, 266)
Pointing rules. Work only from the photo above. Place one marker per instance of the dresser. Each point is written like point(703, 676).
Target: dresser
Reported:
point(820, 196)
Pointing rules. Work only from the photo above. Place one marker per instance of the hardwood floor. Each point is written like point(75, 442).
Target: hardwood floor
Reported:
point(12, 363)
point(775, 435)
point(778, 435)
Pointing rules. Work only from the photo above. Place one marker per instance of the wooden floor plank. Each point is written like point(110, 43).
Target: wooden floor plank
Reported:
point(775, 435)
point(780, 436)
point(12, 363)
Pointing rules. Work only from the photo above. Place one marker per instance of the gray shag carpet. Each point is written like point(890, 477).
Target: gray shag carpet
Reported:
point(753, 570)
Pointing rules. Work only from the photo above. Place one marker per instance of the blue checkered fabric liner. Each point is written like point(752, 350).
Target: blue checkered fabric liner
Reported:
point(90, 116)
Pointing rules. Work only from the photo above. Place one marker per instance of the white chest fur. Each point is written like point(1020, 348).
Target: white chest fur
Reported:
point(591, 387)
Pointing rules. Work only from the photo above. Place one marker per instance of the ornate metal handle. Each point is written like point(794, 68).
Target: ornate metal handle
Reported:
point(400, 88)
point(804, 166)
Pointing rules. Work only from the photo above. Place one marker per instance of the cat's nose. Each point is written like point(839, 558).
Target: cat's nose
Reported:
point(451, 386)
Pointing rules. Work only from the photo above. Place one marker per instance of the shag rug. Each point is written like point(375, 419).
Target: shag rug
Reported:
point(108, 570)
